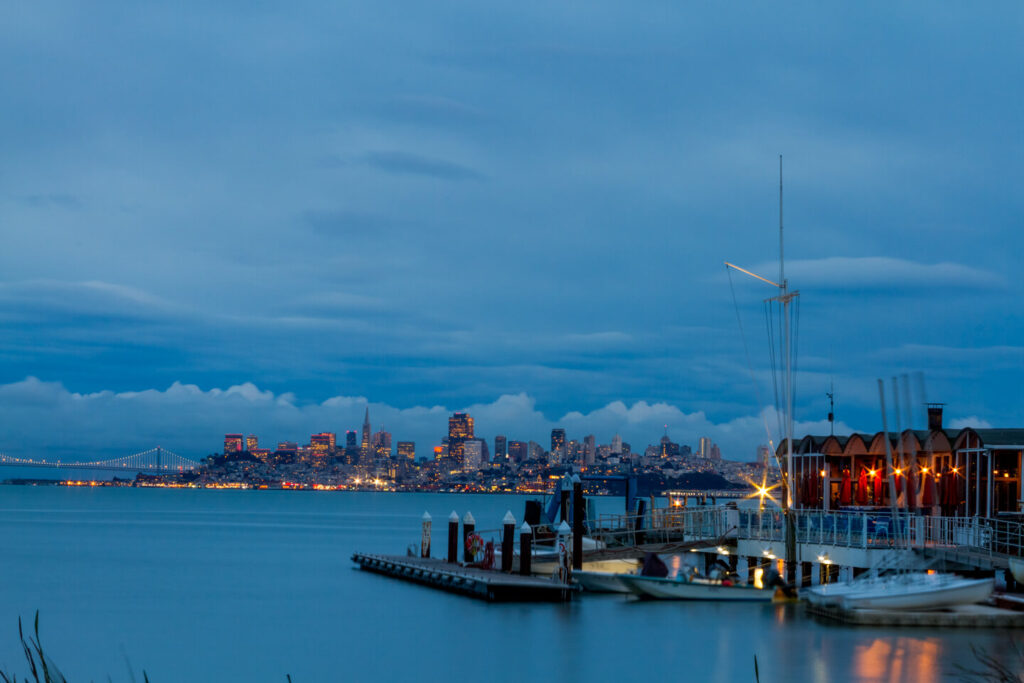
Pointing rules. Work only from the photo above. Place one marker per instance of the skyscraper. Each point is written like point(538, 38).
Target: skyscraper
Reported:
point(704, 447)
point(350, 439)
point(407, 450)
point(460, 428)
point(616, 444)
point(589, 450)
point(517, 451)
point(500, 448)
point(233, 443)
point(365, 445)
point(251, 443)
point(557, 444)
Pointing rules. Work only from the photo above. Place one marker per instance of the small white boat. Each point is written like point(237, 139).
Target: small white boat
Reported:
point(912, 591)
point(600, 582)
point(1017, 569)
point(939, 591)
point(694, 589)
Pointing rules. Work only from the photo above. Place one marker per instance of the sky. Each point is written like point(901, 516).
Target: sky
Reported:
point(261, 217)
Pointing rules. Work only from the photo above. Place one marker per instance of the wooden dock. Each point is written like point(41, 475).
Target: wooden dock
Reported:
point(489, 585)
point(964, 616)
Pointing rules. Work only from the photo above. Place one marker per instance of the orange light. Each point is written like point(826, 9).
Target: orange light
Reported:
point(955, 470)
point(924, 470)
point(872, 472)
point(823, 473)
point(898, 471)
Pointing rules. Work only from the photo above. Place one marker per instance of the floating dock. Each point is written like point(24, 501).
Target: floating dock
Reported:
point(489, 585)
point(964, 616)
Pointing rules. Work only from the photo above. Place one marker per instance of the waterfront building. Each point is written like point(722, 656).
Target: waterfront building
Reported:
point(500, 448)
point(460, 428)
point(233, 443)
point(966, 472)
point(407, 450)
point(251, 443)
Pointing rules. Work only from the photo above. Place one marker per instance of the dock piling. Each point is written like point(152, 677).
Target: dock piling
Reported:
point(468, 527)
point(508, 539)
point(453, 537)
point(577, 523)
point(425, 540)
point(525, 548)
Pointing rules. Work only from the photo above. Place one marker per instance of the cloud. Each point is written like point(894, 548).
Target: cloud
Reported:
point(46, 418)
point(972, 421)
point(405, 163)
point(883, 272)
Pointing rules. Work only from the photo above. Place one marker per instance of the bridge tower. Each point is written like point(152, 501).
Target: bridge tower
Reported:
point(158, 449)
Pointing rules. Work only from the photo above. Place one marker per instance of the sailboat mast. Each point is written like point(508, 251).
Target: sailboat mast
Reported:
point(787, 383)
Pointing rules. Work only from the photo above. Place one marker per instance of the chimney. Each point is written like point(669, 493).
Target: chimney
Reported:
point(934, 416)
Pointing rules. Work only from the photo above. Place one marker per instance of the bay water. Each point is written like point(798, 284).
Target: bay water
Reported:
point(198, 585)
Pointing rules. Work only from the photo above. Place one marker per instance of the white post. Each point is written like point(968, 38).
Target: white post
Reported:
point(425, 539)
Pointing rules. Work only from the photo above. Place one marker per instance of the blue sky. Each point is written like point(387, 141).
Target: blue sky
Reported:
point(519, 209)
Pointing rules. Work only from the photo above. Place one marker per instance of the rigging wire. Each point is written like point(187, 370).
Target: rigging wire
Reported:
point(750, 363)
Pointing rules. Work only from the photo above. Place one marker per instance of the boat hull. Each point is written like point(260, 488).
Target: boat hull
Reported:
point(1017, 569)
point(923, 597)
point(600, 582)
point(671, 589)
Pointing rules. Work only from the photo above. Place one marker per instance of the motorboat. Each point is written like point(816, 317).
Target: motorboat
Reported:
point(913, 591)
point(601, 582)
point(683, 587)
point(1017, 569)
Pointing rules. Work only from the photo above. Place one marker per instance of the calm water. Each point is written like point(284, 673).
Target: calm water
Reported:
point(251, 585)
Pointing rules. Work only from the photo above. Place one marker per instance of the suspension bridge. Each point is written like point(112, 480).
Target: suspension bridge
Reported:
point(156, 460)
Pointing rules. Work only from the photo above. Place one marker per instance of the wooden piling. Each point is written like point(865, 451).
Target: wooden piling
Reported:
point(508, 540)
point(525, 548)
point(453, 537)
point(468, 527)
point(577, 524)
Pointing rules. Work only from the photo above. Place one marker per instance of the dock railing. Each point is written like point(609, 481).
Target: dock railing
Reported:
point(859, 529)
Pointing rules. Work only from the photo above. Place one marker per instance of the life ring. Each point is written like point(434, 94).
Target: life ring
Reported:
point(474, 546)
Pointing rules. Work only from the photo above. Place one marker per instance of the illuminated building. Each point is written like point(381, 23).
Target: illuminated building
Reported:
point(500, 448)
point(460, 428)
point(323, 443)
point(365, 446)
point(616, 444)
point(704, 447)
point(380, 444)
point(472, 454)
point(233, 443)
point(251, 443)
point(407, 450)
point(517, 451)
point(572, 450)
point(557, 445)
point(589, 450)
point(440, 452)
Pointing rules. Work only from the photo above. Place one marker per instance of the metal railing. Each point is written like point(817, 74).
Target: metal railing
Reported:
point(881, 530)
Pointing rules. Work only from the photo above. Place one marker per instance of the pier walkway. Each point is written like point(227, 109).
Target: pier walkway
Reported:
point(489, 585)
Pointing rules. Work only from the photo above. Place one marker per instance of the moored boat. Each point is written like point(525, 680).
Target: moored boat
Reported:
point(601, 582)
point(696, 588)
point(916, 591)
